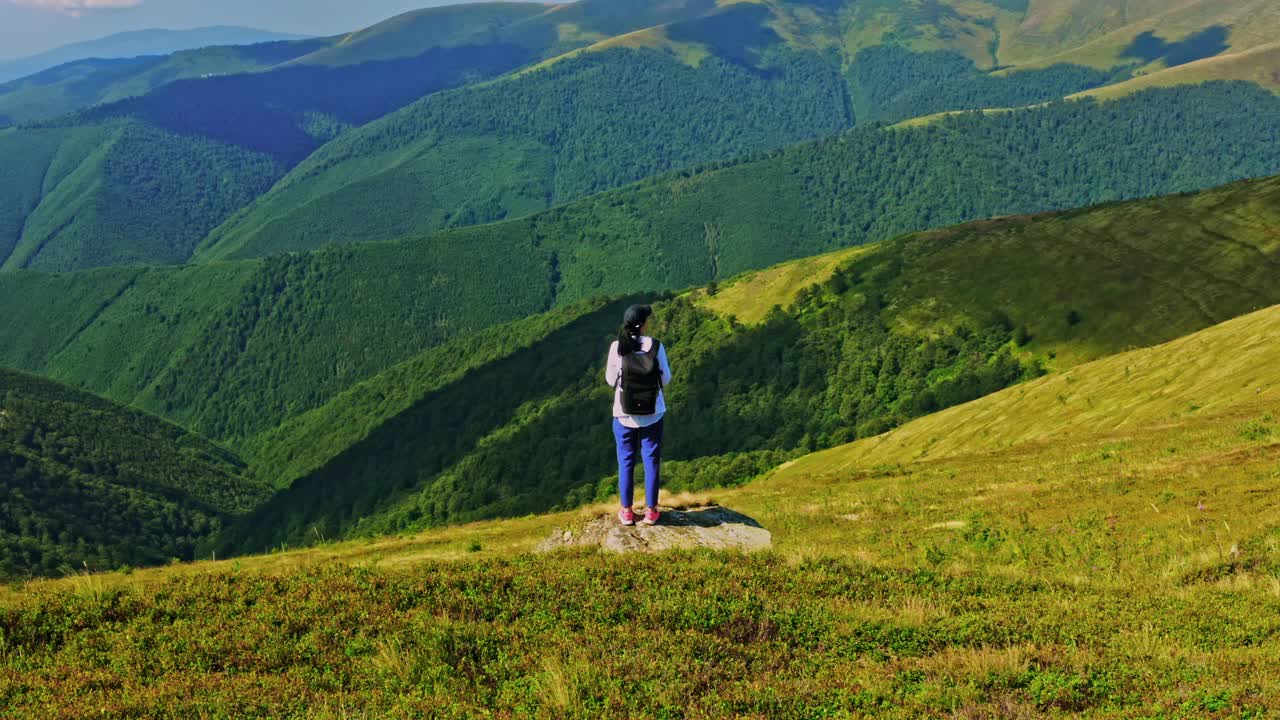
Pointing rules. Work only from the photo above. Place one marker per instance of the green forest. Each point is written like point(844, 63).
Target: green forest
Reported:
point(120, 193)
point(509, 148)
point(234, 349)
point(890, 83)
point(91, 484)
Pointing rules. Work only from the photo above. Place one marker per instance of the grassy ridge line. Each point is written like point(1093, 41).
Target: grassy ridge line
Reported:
point(1232, 364)
point(749, 297)
point(1259, 65)
point(1097, 34)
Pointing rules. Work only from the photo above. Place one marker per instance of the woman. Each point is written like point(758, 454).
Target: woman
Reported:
point(638, 370)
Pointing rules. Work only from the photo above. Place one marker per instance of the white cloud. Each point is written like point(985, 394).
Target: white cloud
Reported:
point(76, 8)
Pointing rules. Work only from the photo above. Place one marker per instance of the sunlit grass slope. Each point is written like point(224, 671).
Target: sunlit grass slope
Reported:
point(89, 483)
point(1259, 65)
point(1101, 33)
point(749, 297)
point(1104, 571)
point(1197, 376)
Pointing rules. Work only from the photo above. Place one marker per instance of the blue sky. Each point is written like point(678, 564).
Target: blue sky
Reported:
point(31, 26)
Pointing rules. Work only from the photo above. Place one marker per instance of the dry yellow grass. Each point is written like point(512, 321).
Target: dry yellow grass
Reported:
point(1259, 65)
point(750, 297)
point(1096, 32)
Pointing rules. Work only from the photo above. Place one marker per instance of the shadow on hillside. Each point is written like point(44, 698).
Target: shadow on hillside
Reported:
point(275, 112)
point(507, 438)
point(738, 33)
point(1204, 44)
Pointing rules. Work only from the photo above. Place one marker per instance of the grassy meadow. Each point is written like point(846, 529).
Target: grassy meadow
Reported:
point(1049, 565)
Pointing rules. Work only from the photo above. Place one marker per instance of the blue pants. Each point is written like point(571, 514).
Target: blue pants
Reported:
point(647, 442)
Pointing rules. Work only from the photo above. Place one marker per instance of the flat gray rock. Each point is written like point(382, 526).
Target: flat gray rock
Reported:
point(712, 527)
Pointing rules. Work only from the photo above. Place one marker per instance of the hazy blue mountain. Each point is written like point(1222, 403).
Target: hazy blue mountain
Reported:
point(135, 44)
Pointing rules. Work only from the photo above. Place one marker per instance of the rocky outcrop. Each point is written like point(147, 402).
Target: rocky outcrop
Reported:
point(713, 527)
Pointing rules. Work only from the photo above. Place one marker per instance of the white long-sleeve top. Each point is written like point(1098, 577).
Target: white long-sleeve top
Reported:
point(612, 371)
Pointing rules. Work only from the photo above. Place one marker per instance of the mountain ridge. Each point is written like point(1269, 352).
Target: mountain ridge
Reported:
point(135, 43)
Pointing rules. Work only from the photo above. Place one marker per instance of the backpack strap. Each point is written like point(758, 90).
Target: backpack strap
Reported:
point(654, 352)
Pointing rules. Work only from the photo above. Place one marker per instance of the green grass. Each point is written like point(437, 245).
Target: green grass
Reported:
point(1096, 33)
point(1124, 572)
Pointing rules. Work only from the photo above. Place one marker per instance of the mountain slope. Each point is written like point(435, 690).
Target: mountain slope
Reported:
point(900, 590)
point(1260, 65)
point(288, 334)
point(693, 89)
point(104, 194)
point(90, 483)
point(893, 332)
point(596, 94)
point(1156, 34)
point(560, 134)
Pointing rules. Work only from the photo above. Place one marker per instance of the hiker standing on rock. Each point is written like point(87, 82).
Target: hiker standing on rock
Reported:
point(638, 370)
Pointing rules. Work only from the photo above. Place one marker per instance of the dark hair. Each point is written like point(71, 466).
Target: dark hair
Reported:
point(629, 332)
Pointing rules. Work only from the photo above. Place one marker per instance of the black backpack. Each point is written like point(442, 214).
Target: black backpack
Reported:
point(641, 381)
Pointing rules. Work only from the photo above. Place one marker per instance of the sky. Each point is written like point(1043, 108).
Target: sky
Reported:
point(28, 27)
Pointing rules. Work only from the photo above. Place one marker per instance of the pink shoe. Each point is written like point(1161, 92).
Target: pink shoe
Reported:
point(626, 517)
point(651, 517)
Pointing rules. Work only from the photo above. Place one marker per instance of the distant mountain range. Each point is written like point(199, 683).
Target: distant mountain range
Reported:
point(280, 146)
point(137, 43)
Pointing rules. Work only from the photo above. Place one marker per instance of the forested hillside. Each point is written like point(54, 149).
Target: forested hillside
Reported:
point(90, 484)
point(233, 350)
point(510, 148)
point(119, 192)
point(548, 104)
point(890, 333)
point(167, 167)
